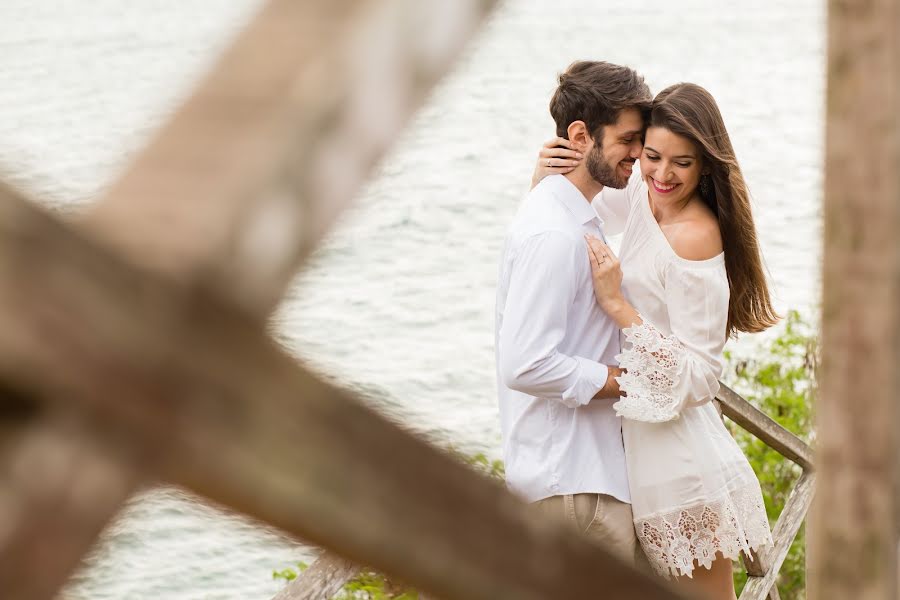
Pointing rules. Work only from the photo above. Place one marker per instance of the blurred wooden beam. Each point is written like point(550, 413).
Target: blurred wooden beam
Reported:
point(253, 169)
point(56, 475)
point(224, 412)
point(237, 189)
point(854, 528)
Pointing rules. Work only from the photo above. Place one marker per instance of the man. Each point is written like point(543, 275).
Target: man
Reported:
point(555, 347)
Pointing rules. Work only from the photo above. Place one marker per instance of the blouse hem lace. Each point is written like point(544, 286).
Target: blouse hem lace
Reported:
point(675, 542)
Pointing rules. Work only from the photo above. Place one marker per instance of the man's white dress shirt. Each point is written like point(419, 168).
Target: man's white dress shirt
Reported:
point(552, 344)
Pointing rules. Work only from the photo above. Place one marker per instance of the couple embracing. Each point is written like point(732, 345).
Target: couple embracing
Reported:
point(607, 366)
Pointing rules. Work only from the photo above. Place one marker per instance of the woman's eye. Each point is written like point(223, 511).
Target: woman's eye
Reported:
point(652, 158)
point(683, 165)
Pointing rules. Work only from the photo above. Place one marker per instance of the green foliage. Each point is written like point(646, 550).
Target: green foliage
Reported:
point(370, 585)
point(290, 574)
point(481, 463)
point(781, 382)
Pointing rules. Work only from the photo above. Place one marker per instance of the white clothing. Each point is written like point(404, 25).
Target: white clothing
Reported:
point(553, 343)
point(693, 491)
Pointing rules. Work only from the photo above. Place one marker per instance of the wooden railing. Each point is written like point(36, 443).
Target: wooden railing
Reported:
point(328, 574)
point(763, 569)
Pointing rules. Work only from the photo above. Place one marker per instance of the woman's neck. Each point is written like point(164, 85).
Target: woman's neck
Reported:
point(668, 212)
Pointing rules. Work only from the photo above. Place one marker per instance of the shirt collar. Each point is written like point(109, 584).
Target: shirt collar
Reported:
point(572, 198)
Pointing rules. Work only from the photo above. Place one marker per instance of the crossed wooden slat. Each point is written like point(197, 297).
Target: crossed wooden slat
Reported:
point(133, 345)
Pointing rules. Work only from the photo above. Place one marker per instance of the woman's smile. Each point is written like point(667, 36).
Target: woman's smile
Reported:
point(663, 188)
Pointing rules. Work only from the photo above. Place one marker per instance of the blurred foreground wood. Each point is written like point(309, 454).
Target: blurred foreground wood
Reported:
point(854, 529)
point(134, 349)
point(214, 406)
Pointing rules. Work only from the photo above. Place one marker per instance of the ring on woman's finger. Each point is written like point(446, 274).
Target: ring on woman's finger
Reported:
point(549, 162)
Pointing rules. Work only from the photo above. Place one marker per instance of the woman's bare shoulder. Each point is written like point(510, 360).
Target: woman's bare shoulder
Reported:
point(697, 237)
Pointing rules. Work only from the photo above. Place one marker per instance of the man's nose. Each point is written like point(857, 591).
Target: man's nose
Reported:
point(636, 148)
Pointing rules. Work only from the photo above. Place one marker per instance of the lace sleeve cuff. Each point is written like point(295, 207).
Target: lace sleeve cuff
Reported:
point(654, 364)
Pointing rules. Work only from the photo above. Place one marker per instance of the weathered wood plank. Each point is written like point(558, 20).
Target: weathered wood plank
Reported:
point(754, 564)
point(764, 427)
point(792, 516)
point(854, 526)
point(323, 579)
point(203, 380)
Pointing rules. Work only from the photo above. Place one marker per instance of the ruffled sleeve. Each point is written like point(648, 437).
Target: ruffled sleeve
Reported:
point(666, 373)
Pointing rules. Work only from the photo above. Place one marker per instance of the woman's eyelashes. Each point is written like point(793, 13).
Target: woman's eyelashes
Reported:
point(654, 158)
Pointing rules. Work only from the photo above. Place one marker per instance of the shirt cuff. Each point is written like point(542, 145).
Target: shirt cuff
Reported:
point(589, 379)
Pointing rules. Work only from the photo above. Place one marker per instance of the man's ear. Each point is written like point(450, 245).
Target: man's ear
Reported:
point(579, 135)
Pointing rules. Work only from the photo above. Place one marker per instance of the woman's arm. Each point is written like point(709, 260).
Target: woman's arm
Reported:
point(666, 373)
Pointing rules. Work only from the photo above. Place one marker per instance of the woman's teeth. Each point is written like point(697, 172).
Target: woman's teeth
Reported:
point(662, 187)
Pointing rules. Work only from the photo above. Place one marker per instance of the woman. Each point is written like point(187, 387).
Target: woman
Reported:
point(690, 275)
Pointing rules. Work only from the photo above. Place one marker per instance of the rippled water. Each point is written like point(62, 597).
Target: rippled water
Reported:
point(399, 301)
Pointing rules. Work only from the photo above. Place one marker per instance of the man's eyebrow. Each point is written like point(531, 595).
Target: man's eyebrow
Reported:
point(646, 147)
point(632, 132)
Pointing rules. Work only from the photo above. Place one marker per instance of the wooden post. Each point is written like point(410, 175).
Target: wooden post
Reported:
point(853, 533)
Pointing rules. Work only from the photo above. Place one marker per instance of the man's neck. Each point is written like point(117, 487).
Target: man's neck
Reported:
point(586, 184)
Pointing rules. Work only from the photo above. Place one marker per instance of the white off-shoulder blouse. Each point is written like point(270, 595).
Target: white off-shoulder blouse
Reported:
point(693, 491)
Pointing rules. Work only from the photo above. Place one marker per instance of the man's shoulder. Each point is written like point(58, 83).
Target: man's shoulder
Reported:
point(542, 212)
point(547, 239)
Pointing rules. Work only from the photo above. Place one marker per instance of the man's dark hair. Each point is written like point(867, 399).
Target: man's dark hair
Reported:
point(596, 92)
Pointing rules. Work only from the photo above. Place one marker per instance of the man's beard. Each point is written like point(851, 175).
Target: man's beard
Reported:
point(601, 171)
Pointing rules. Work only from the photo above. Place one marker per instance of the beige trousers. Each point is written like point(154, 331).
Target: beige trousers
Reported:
point(599, 517)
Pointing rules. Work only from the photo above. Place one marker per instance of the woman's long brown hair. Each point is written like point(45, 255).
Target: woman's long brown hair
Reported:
point(688, 110)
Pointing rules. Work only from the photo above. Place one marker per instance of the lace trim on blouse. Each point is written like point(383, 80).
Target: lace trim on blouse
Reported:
point(653, 363)
point(735, 523)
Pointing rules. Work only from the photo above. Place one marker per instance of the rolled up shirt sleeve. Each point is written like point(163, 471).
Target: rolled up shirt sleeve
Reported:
point(542, 286)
